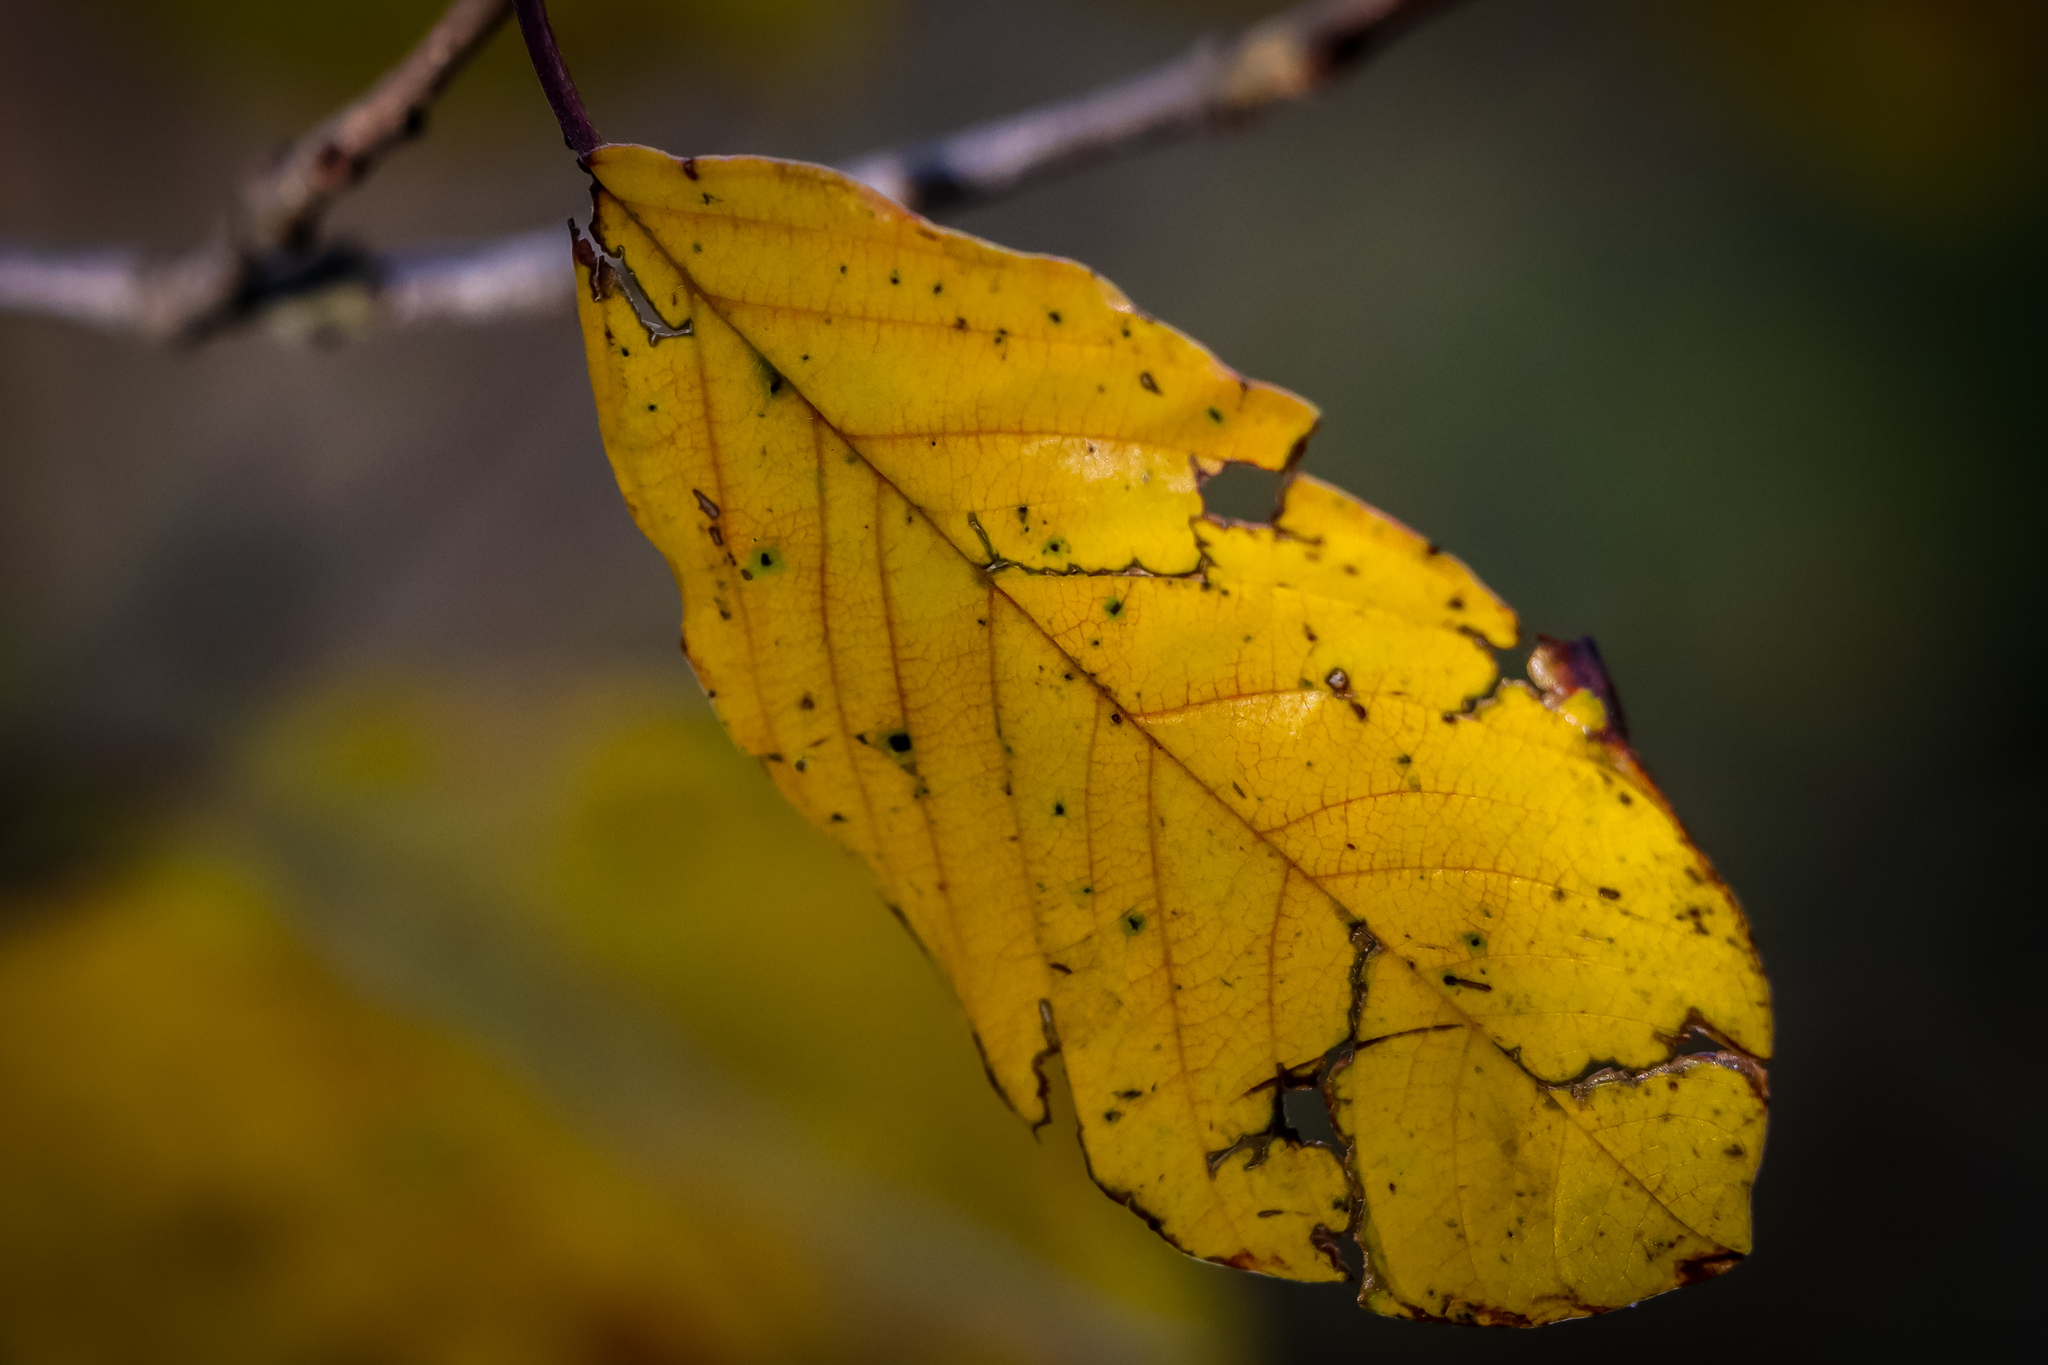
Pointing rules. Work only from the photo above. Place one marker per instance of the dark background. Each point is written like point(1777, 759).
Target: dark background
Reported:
point(1713, 330)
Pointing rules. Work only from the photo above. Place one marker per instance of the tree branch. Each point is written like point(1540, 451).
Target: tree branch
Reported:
point(269, 263)
point(283, 208)
point(1215, 86)
point(270, 245)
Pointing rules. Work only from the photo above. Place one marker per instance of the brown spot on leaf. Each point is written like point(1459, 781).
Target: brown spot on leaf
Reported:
point(1562, 667)
point(1708, 1266)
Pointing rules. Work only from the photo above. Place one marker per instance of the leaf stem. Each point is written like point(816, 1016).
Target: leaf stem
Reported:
point(555, 81)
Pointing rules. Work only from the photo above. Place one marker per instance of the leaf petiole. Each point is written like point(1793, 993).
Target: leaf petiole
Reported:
point(555, 81)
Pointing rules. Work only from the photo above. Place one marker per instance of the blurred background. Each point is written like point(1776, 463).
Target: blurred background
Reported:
point(397, 964)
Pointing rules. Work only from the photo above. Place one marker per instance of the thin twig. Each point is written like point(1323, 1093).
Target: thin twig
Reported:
point(303, 291)
point(99, 288)
point(270, 246)
point(284, 207)
point(1215, 86)
point(555, 80)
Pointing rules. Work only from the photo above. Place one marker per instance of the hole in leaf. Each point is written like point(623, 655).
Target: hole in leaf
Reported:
point(1306, 1115)
point(1242, 493)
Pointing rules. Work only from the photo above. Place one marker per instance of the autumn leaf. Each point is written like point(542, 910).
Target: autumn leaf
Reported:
point(1213, 810)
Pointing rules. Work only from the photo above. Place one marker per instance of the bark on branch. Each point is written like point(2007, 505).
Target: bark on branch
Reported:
point(270, 247)
point(270, 261)
point(1216, 86)
point(283, 208)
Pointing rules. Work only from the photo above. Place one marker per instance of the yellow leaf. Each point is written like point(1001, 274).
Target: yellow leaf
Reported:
point(1198, 804)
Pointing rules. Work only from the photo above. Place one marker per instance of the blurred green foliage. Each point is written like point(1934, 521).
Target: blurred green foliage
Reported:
point(214, 1154)
point(327, 50)
point(1933, 108)
point(615, 819)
